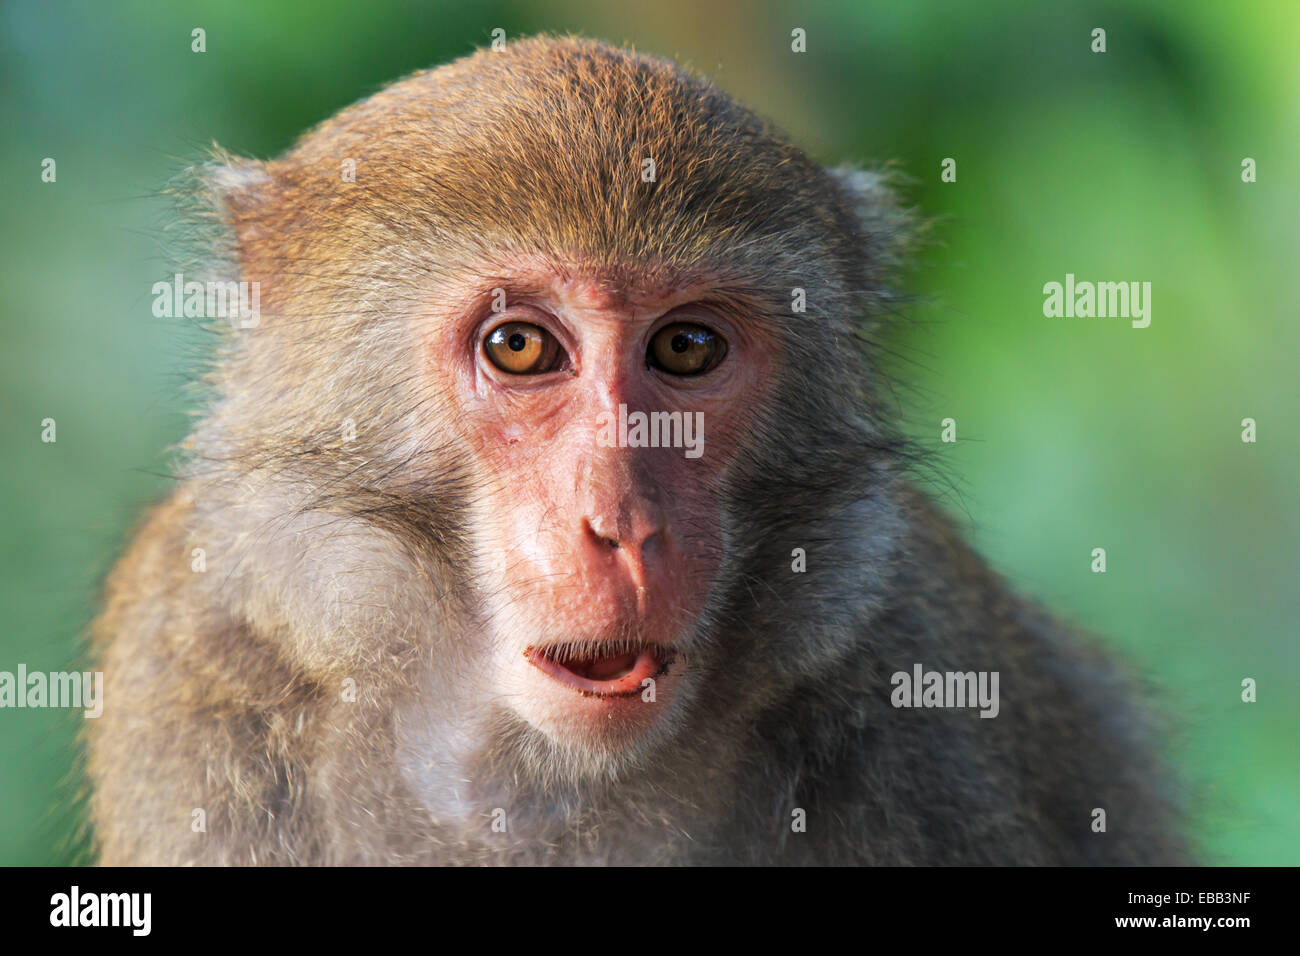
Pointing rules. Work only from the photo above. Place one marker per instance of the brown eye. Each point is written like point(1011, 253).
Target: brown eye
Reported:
point(518, 348)
point(684, 349)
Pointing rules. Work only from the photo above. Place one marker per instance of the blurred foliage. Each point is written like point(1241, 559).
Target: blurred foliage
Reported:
point(1075, 433)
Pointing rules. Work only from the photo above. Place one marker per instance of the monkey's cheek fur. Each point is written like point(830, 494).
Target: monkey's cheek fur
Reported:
point(602, 701)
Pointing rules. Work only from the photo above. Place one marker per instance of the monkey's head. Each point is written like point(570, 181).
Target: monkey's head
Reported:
point(560, 359)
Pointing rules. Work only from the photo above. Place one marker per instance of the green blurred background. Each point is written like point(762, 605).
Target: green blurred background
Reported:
point(1075, 433)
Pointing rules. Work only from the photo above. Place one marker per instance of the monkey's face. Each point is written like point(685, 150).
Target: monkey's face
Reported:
point(603, 420)
point(580, 308)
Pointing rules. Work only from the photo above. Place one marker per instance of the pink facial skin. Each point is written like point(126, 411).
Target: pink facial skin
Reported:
point(596, 561)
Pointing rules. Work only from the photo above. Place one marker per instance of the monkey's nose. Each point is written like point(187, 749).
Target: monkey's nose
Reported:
point(634, 535)
point(636, 542)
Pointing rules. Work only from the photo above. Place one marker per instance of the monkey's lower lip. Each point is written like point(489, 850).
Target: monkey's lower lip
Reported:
point(599, 674)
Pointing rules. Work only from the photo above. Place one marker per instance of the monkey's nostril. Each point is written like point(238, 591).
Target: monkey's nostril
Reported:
point(602, 538)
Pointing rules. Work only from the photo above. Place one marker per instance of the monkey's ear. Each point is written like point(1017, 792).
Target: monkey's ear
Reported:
point(227, 200)
point(236, 185)
point(888, 230)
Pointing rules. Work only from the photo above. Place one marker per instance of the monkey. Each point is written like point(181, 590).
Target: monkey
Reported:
point(455, 606)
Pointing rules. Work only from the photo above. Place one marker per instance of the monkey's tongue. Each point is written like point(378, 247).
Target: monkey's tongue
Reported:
point(603, 674)
point(604, 668)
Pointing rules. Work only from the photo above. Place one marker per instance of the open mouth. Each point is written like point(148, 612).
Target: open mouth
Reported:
point(601, 669)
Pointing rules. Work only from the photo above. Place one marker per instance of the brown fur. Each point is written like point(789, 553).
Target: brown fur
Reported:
point(330, 561)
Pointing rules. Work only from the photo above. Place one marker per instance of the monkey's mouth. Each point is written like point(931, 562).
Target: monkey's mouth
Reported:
point(602, 669)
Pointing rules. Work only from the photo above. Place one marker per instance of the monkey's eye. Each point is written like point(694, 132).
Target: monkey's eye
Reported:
point(685, 349)
point(519, 348)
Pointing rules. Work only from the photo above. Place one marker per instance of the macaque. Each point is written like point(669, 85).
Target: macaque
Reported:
point(538, 527)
